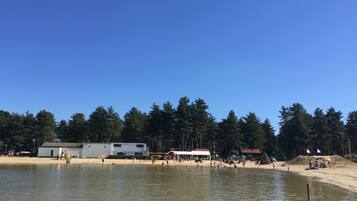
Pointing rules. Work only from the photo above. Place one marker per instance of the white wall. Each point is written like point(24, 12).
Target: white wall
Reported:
point(129, 148)
point(74, 152)
point(95, 150)
point(46, 151)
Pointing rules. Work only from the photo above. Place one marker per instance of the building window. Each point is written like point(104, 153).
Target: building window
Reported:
point(139, 146)
point(117, 145)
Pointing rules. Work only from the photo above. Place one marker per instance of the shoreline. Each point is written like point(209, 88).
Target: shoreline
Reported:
point(341, 176)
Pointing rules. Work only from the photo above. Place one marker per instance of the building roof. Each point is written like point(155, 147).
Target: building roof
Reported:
point(191, 153)
point(250, 151)
point(61, 144)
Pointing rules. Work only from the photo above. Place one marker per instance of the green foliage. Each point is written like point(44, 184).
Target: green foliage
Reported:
point(168, 126)
point(271, 146)
point(186, 127)
point(154, 129)
point(200, 118)
point(104, 125)
point(295, 128)
point(134, 126)
point(351, 130)
point(77, 130)
point(336, 130)
point(253, 133)
point(212, 131)
point(229, 135)
point(62, 131)
point(183, 125)
point(321, 138)
point(45, 127)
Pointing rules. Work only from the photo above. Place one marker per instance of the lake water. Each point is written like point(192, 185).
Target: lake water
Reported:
point(118, 182)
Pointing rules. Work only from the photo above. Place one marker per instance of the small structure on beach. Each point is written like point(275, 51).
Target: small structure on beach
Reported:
point(56, 149)
point(255, 155)
point(195, 154)
point(251, 154)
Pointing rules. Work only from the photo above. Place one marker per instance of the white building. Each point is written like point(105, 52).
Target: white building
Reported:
point(95, 150)
point(131, 149)
point(54, 149)
point(198, 153)
point(91, 150)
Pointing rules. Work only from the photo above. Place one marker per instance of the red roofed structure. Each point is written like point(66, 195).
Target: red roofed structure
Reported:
point(251, 154)
point(251, 151)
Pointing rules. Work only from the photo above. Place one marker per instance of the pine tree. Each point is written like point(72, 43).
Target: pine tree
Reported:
point(154, 128)
point(229, 137)
point(183, 125)
point(45, 127)
point(97, 124)
point(199, 122)
point(77, 130)
point(336, 130)
point(134, 126)
point(115, 125)
point(210, 140)
point(320, 132)
point(351, 130)
point(104, 125)
point(62, 131)
point(295, 127)
point(271, 140)
point(29, 123)
point(168, 126)
point(253, 132)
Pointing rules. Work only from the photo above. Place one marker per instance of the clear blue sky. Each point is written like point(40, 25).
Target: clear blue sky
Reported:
point(71, 56)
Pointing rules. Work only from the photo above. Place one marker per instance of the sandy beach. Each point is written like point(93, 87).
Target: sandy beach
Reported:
point(343, 175)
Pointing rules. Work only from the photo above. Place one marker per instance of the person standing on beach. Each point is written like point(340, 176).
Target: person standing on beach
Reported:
point(152, 160)
point(102, 158)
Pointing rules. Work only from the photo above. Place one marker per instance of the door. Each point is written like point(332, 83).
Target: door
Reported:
point(51, 153)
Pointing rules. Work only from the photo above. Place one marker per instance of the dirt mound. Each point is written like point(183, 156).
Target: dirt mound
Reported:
point(304, 160)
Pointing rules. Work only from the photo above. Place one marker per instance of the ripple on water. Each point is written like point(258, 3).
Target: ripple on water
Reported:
point(91, 182)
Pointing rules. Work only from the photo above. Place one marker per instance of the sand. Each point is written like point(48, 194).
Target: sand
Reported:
point(343, 175)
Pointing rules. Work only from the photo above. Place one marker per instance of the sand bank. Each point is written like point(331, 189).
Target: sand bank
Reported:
point(342, 175)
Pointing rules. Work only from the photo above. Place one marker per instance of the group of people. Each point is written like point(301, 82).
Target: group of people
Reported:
point(318, 163)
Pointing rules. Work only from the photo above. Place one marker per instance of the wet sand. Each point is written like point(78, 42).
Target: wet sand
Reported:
point(343, 175)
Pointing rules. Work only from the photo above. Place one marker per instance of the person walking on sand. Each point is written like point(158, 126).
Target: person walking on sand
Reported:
point(102, 157)
point(152, 160)
point(68, 159)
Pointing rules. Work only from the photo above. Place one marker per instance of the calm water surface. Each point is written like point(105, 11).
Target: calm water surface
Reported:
point(114, 182)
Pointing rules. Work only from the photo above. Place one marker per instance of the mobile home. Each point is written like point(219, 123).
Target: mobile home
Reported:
point(131, 149)
point(92, 149)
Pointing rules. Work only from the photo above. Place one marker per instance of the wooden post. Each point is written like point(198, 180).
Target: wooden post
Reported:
point(214, 150)
point(349, 149)
point(308, 192)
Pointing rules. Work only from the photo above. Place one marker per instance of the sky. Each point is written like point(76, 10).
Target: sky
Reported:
point(248, 56)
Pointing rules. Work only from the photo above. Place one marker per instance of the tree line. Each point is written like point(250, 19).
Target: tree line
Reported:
point(187, 126)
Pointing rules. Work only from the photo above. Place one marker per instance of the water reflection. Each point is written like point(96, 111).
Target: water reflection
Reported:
point(97, 182)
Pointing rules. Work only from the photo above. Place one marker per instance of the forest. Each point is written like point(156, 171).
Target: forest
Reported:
point(187, 126)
